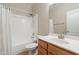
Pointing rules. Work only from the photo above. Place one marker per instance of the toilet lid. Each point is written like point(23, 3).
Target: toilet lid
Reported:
point(31, 45)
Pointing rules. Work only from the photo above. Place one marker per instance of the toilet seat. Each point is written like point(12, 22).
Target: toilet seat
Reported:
point(31, 45)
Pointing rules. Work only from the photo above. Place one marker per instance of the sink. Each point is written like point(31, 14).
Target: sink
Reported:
point(55, 39)
point(61, 41)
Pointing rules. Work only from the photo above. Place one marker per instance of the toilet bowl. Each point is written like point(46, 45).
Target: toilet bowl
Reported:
point(30, 47)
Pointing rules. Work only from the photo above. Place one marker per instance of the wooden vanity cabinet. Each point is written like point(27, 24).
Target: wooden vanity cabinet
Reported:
point(57, 50)
point(42, 47)
point(45, 48)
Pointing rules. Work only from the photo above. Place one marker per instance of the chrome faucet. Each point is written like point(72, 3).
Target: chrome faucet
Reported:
point(61, 36)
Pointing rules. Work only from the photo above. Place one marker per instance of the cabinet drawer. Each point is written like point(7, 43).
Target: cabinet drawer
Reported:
point(57, 51)
point(42, 43)
point(41, 50)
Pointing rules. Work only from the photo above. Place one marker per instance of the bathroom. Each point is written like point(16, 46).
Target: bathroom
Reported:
point(39, 29)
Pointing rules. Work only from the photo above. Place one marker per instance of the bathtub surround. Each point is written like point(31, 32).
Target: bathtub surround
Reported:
point(21, 29)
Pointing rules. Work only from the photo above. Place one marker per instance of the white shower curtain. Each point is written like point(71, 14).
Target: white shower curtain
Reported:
point(5, 41)
point(6, 15)
point(21, 30)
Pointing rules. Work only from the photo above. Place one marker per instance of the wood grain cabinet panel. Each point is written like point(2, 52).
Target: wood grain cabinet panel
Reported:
point(45, 48)
point(42, 50)
point(42, 43)
point(40, 53)
point(57, 51)
point(49, 53)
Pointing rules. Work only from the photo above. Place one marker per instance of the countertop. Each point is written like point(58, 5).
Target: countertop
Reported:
point(73, 44)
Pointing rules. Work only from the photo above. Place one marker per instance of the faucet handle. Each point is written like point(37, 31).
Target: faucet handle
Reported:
point(61, 36)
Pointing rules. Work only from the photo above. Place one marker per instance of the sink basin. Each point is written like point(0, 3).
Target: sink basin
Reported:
point(61, 41)
point(55, 39)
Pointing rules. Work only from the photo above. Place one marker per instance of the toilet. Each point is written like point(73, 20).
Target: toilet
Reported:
point(31, 47)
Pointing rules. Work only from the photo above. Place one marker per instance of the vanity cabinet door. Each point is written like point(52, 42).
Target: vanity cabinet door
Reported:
point(45, 48)
point(42, 47)
point(42, 43)
point(42, 51)
point(49, 53)
point(57, 51)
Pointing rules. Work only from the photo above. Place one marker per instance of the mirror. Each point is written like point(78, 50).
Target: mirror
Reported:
point(65, 17)
point(73, 22)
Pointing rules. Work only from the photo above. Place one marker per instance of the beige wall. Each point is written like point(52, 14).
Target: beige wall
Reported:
point(42, 9)
point(58, 14)
point(24, 7)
